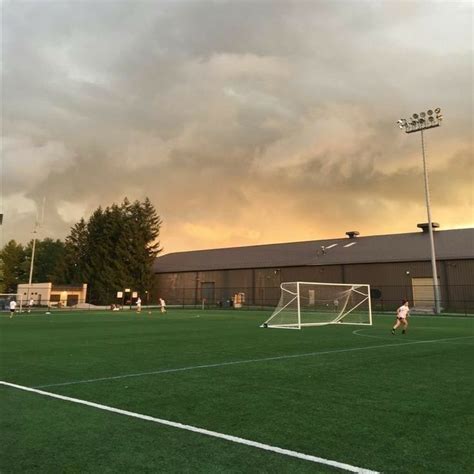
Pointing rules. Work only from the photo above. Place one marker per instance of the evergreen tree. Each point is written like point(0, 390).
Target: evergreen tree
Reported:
point(12, 262)
point(50, 263)
point(115, 249)
point(100, 257)
point(145, 229)
point(76, 252)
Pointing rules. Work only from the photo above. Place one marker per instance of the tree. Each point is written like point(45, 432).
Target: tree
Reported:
point(144, 229)
point(76, 250)
point(115, 249)
point(105, 268)
point(12, 262)
point(50, 263)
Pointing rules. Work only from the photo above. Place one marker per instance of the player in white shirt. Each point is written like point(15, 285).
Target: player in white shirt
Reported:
point(30, 305)
point(139, 305)
point(12, 308)
point(162, 305)
point(402, 317)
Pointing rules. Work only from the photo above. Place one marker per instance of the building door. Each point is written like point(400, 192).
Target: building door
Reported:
point(208, 291)
point(423, 292)
point(72, 300)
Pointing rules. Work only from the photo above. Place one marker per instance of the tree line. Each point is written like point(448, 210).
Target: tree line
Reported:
point(113, 250)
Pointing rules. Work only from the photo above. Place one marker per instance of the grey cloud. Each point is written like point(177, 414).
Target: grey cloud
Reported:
point(232, 111)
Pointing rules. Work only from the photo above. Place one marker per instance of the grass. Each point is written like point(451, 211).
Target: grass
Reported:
point(369, 399)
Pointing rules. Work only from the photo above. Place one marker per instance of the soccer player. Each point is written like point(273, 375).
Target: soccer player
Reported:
point(139, 305)
point(402, 317)
point(30, 305)
point(12, 308)
point(162, 305)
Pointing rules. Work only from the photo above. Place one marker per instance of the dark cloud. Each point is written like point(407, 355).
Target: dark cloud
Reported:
point(244, 122)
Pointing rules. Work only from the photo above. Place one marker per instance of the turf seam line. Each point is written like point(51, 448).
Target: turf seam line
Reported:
point(236, 362)
point(215, 434)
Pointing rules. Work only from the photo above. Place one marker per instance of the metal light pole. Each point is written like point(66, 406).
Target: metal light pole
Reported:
point(32, 263)
point(419, 123)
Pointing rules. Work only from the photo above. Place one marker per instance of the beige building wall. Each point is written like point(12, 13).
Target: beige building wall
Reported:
point(40, 293)
point(44, 294)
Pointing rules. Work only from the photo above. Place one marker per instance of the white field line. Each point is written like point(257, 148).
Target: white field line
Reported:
point(390, 337)
point(237, 362)
point(425, 316)
point(215, 434)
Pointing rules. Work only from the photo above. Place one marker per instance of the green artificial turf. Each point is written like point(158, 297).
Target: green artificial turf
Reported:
point(388, 403)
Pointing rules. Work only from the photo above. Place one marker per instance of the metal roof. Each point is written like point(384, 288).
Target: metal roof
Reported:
point(449, 244)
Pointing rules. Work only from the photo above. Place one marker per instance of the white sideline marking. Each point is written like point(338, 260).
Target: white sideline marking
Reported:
point(236, 362)
point(215, 434)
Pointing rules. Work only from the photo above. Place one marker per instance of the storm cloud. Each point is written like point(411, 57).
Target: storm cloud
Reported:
point(245, 122)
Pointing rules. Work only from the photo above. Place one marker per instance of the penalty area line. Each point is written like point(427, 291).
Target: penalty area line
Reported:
point(243, 361)
point(448, 340)
point(194, 429)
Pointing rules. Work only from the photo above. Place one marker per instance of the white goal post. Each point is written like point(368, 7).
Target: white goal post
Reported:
point(316, 304)
point(5, 299)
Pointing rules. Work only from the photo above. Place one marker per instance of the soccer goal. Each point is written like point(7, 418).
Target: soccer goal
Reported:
point(5, 299)
point(316, 304)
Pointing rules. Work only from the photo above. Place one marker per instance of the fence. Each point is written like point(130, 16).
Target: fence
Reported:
point(457, 299)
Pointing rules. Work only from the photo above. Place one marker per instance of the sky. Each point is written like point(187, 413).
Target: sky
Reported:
point(245, 122)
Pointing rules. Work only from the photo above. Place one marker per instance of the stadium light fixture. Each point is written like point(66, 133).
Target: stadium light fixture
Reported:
point(419, 123)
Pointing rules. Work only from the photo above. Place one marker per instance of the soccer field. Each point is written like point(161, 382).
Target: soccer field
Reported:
point(324, 399)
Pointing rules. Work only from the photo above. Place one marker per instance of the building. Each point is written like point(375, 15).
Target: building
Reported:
point(396, 266)
point(49, 294)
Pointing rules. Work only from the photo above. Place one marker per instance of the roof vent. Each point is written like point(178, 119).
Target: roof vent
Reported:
point(352, 234)
point(425, 226)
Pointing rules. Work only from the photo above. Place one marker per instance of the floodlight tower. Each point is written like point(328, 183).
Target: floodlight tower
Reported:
point(419, 123)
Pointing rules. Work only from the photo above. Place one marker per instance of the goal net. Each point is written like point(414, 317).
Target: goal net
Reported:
point(5, 299)
point(316, 304)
